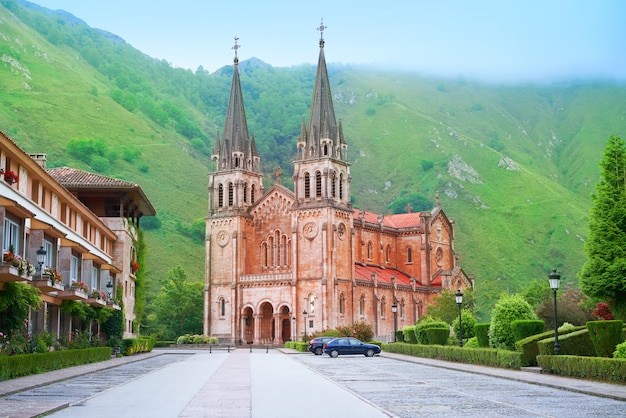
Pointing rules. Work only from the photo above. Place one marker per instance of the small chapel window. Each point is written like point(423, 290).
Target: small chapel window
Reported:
point(220, 196)
point(369, 250)
point(245, 193)
point(334, 185)
point(318, 184)
point(361, 305)
point(307, 186)
point(409, 255)
point(387, 253)
point(252, 193)
point(231, 194)
point(222, 307)
point(341, 186)
point(341, 302)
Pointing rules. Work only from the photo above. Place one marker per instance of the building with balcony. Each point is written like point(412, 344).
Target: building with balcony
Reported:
point(71, 234)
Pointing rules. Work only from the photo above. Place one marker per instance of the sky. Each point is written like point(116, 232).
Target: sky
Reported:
point(495, 40)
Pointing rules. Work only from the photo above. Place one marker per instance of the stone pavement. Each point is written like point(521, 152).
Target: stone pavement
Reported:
point(235, 384)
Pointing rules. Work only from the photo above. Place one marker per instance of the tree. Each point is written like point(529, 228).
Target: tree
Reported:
point(507, 309)
point(179, 305)
point(603, 276)
point(445, 308)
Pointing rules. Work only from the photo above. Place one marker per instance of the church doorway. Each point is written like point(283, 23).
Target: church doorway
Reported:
point(285, 324)
point(248, 326)
point(266, 328)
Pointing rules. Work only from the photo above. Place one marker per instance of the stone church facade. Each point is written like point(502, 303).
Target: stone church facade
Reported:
point(282, 264)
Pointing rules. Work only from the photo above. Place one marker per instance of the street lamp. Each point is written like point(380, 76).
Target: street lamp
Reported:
point(459, 301)
point(304, 314)
point(110, 288)
point(293, 326)
point(41, 258)
point(394, 309)
point(555, 280)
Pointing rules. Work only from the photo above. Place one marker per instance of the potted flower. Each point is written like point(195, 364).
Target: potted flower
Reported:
point(82, 286)
point(11, 258)
point(9, 176)
point(96, 294)
point(134, 266)
point(53, 274)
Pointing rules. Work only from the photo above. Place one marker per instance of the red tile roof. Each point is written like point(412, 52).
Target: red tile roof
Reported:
point(402, 220)
point(73, 178)
point(364, 272)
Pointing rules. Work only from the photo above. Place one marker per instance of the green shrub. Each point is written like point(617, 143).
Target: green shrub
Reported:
point(481, 330)
point(425, 324)
point(523, 328)
point(598, 368)
point(468, 322)
point(528, 346)
point(471, 343)
point(576, 343)
point(438, 336)
point(508, 309)
point(28, 364)
point(485, 356)
point(409, 334)
point(138, 345)
point(620, 350)
point(400, 336)
point(605, 335)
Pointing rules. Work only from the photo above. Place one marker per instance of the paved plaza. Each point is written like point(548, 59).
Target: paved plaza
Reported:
point(283, 383)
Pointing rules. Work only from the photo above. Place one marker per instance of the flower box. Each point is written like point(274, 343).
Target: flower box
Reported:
point(8, 176)
point(96, 302)
point(72, 294)
point(8, 273)
point(46, 285)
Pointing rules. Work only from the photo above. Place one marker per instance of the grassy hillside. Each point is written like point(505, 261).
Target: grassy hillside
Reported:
point(513, 165)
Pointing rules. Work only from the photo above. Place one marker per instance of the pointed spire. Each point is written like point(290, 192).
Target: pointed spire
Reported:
point(322, 121)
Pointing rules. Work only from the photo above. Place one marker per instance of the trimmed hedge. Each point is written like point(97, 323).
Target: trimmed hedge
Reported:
point(438, 336)
point(409, 334)
point(528, 346)
point(605, 335)
point(137, 345)
point(28, 364)
point(426, 324)
point(599, 368)
point(297, 345)
point(400, 336)
point(577, 343)
point(523, 328)
point(481, 330)
point(485, 356)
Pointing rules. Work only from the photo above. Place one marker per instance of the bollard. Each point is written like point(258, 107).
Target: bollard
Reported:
point(250, 347)
point(267, 348)
point(209, 348)
point(228, 348)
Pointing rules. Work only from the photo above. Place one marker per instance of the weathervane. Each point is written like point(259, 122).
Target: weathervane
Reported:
point(236, 47)
point(321, 29)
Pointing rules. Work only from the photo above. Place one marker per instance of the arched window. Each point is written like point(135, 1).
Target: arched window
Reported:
point(231, 194)
point(409, 255)
point(382, 307)
point(270, 244)
point(237, 162)
point(222, 307)
point(285, 250)
point(387, 253)
point(220, 195)
point(341, 303)
point(252, 193)
point(264, 253)
point(278, 248)
point(311, 304)
point(341, 186)
point(362, 305)
point(325, 149)
point(318, 184)
point(245, 193)
point(334, 184)
point(369, 250)
point(307, 185)
point(402, 308)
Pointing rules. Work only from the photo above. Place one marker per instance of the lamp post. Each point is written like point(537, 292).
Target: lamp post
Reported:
point(394, 309)
point(41, 258)
point(110, 288)
point(293, 327)
point(555, 280)
point(459, 301)
point(304, 314)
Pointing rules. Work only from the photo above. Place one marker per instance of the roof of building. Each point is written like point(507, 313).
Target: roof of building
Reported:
point(402, 220)
point(78, 180)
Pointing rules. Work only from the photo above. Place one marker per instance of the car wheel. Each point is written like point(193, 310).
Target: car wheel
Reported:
point(334, 354)
point(318, 351)
point(369, 353)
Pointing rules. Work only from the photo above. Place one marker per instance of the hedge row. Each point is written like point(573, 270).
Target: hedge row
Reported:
point(137, 345)
point(528, 346)
point(485, 356)
point(577, 343)
point(599, 368)
point(297, 345)
point(27, 364)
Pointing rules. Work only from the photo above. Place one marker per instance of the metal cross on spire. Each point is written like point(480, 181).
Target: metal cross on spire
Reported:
point(236, 47)
point(321, 29)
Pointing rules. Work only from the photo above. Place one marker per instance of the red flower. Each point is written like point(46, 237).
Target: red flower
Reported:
point(9, 176)
point(134, 266)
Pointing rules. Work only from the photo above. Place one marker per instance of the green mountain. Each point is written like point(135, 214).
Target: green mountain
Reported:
point(514, 165)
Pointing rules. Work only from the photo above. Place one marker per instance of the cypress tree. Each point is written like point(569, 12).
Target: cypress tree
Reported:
point(603, 276)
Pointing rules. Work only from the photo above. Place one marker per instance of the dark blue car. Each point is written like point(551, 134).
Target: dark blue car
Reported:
point(349, 346)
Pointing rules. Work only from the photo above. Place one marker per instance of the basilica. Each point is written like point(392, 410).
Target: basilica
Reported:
point(282, 265)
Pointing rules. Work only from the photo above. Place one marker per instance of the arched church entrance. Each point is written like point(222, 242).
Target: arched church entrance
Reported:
point(266, 326)
point(248, 325)
point(285, 324)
